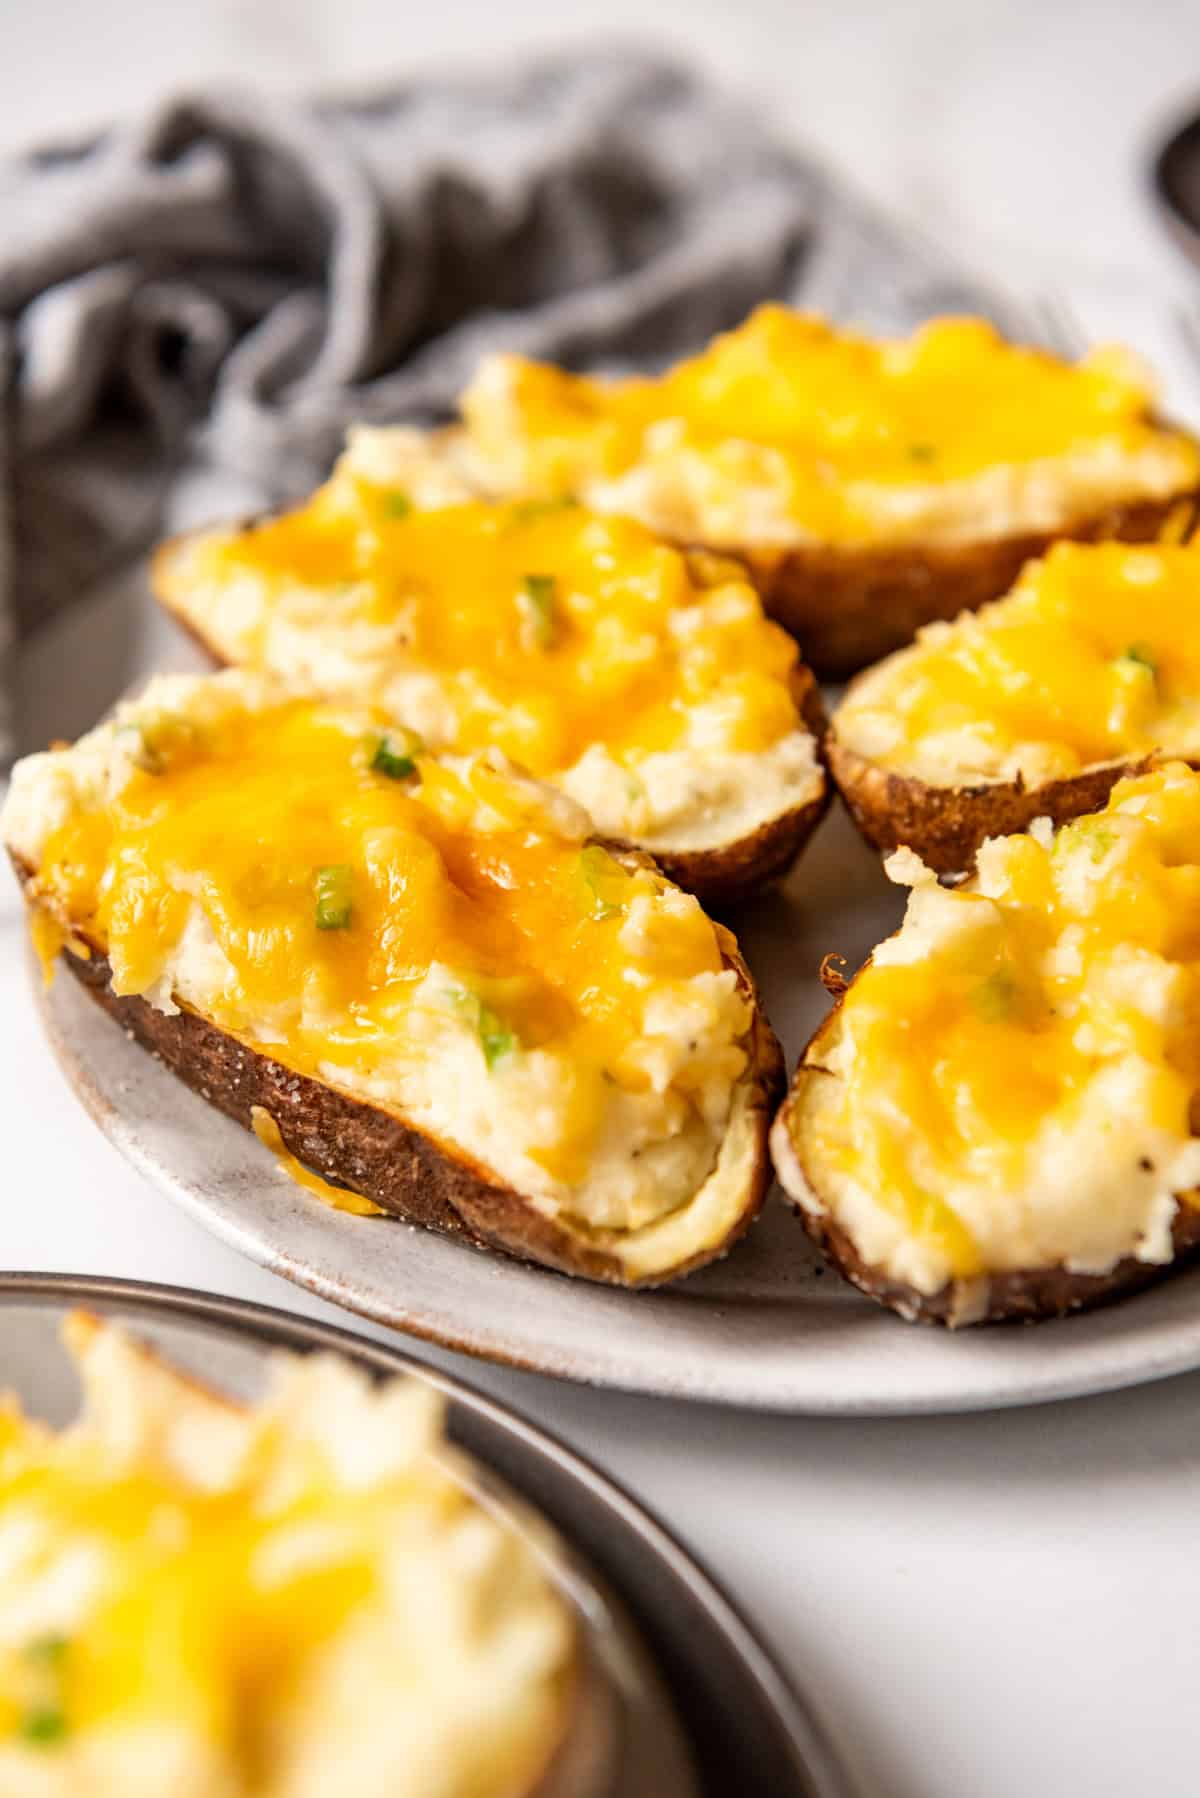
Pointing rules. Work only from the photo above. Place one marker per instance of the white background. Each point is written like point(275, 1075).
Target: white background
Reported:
point(993, 1606)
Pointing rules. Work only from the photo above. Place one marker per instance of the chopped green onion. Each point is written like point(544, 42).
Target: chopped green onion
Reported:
point(537, 601)
point(996, 996)
point(495, 1037)
point(47, 1651)
point(333, 896)
point(153, 740)
point(397, 504)
point(149, 757)
point(635, 787)
point(1100, 840)
point(43, 1725)
point(1142, 656)
point(922, 452)
point(529, 511)
point(599, 871)
point(397, 764)
point(165, 740)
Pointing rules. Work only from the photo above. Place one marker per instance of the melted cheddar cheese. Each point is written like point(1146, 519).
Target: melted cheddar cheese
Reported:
point(789, 431)
point(434, 935)
point(1014, 1072)
point(338, 1198)
point(1094, 657)
point(300, 1599)
point(647, 683)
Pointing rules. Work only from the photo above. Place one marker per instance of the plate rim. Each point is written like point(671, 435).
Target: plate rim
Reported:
point(819, 1769)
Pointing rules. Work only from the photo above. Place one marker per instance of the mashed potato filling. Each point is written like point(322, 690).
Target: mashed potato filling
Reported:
point(1093, 657)
point(435, 936)
point(1014, 1073)
point(287, 1602)
point(645, 682)
point(787, 431)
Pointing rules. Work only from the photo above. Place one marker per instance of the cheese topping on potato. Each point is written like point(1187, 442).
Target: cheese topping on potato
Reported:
point(646, 683)
point(292, 1601)
point(1093, 657)
point(435, 935)
point(1013, 1074)
point(788, 431)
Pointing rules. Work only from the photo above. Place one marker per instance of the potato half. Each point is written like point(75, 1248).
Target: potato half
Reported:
point(996, 1120)
point(202, 1596)
point(644, 682)
point(1032, 708)
point(420, 977)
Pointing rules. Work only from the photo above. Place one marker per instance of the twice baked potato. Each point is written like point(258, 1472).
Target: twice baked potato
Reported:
point(299, 1598)
point(869, 486)
point(1032, 708)
point(645, 683)
point(998, 1117)
point(422, 977)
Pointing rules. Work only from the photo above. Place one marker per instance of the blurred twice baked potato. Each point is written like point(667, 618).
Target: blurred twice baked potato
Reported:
point(296, 1598)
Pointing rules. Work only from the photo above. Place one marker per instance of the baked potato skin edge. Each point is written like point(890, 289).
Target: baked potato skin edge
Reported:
point(1023, 1295)
point(736, 871)
point(946, 825)
point(374, 1152)
point(851, 606)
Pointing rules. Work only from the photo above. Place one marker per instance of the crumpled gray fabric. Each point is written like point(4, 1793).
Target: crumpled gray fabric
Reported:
point(197, 302)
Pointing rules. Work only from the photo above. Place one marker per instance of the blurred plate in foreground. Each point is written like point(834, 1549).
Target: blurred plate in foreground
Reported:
point(663, 1640)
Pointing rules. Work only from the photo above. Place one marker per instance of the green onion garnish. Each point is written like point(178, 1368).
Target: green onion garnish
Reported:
point(495, 1037)
point(43, 1725)
point(150, 756)
point(396, 763)
point(539, 610)
point(1099, 839)
point(599, 872)
point(396, 503)
point(333, 896)
point(1142, 656)
point(528, 511)
point(996, 996)
point(46, 1651)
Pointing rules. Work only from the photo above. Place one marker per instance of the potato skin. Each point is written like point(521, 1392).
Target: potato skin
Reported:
point(725, 876)
point(851, 605)
point(570, 1740)
point(734, 872)
point(728, 876)
point(1024, 1295)
point(374, 1152)
point(946, 825)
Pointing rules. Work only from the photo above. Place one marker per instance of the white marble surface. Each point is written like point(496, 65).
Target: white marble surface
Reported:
point(999, 1605)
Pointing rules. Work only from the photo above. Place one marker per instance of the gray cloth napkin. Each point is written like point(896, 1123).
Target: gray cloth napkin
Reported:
point(193, 305)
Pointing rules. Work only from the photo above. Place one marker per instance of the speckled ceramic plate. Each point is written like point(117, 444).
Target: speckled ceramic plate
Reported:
point(702, 1711)
point(767, 1327)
